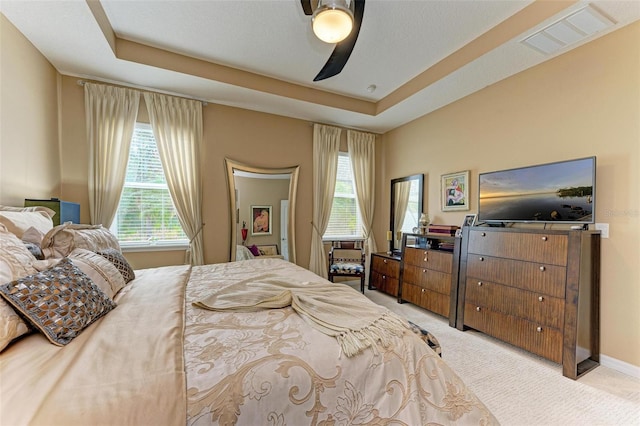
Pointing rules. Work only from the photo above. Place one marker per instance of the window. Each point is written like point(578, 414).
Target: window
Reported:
point(345, 221)
point(146, 214)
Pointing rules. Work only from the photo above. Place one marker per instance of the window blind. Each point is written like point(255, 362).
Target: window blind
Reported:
point(344, 221)
point(146, 214)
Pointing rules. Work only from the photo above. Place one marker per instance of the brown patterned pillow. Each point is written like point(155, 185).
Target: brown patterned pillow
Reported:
point(60, 302)
point(117, 258)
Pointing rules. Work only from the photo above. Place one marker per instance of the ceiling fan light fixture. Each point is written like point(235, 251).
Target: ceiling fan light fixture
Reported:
point(332, 21)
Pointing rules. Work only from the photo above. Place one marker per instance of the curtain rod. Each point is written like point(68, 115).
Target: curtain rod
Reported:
point(82, 82)
point(311, 123)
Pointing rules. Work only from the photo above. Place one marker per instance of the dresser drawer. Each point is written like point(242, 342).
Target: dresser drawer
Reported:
point(431, 300)
point(536, 277)
point(533, 247)
point(384, 283)
point(430, 259)
point(385, 266)
point(535, 307)
point(531, 336)
point(426, 278)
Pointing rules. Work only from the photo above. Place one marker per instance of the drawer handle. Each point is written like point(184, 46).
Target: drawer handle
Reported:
point(385, 260)
point(481, 259)
point(384, 277)
point(423, 290)
point(480, 283)
point(425, 259)
point(478, 308)
point(540, 299)
point(543, 268)
point(483, 234)
point(539, 329)
point(544, 238)
point(424, 271)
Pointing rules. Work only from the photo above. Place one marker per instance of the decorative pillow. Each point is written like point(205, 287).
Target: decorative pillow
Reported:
point(119, 261)
point(60, 302)
point(19, 222)
point(254, 250)
point(101, 271)
point(62, 239)
point(15, 262)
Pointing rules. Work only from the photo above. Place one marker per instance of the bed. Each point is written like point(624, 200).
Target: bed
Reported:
point(159, 358)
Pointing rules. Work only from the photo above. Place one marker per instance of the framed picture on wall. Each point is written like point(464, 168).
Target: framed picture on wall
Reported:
point(261, 220)
point(455, 191)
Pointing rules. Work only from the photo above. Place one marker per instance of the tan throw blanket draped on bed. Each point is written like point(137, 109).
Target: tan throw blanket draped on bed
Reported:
point(336, 310)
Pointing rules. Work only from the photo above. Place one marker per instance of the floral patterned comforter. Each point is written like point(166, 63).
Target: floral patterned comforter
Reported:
point(272, 368)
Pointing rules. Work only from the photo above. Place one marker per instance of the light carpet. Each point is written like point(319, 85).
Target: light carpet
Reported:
point(520, 388)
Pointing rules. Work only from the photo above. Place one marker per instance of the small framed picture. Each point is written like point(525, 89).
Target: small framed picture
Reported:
point(455, 191)
point(469, 220)
point(261, 217)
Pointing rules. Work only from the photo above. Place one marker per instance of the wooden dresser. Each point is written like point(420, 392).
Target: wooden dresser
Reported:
point(429, 274)
point(535, 289)
point(385, 273)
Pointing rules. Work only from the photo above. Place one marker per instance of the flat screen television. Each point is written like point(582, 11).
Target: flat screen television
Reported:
point(560, 192)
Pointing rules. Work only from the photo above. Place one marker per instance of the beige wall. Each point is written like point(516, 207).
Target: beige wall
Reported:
point(29, 160)
point(253, 138)
point(586, 102)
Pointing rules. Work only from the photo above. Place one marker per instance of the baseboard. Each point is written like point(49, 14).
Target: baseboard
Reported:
point(621, 366)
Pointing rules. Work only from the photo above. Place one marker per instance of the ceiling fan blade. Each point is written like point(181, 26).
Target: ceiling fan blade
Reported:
point(342, 51)
point(306, 7)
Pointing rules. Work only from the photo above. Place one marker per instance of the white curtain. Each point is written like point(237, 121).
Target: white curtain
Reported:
point(110, 114)
point(362, 154)
point(177, 127)
point(402, 192)
point(326, 144)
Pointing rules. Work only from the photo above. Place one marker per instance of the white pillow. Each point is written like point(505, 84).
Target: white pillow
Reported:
point(19, 222)
point(61, 240)
point(15, 262)
point(50, 212)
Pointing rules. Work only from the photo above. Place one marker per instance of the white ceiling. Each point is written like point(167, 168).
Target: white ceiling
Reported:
point(399, 40)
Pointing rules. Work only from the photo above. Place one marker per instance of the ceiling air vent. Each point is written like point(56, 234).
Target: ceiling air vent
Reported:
point(570, 29)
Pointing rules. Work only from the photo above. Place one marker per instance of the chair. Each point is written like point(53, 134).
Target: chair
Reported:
point(347, 259)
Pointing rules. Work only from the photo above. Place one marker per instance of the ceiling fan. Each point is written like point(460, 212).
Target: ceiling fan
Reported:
point(343, 49)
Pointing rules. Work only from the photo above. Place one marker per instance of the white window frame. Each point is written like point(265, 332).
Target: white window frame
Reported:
point(156, 245)
point(359, 233)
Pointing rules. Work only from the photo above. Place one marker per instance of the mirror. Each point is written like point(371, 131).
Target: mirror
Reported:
point(406, 206)
point(264, 201)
